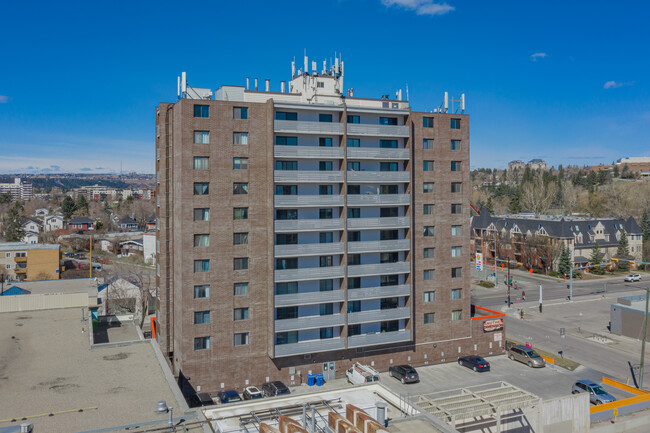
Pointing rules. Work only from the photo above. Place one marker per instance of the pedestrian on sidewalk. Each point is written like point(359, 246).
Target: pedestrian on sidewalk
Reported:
point(523, 295)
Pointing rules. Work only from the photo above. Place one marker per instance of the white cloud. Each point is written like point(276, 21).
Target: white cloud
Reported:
point(536, 56)
point(616, 85)
point(4, 99)
point(421, 7)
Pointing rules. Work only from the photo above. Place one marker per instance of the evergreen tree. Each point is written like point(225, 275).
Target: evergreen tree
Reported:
point(68, 207)
point(14, 231)
point(564, 266)
point(515, 202)
point(81, 206)
point(596, 259)
point(623, 252)
point(6, 198)
point(490, 206)
point(615, 172)
point(645, 225)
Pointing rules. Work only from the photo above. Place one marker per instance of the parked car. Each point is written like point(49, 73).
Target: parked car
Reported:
point(252, 393)
point(228, 396)
point(474, 362)
point(404, 373)
point(632, 278)
point(271, 389)
point(597, 395)
point(201, 399)
point(526, 355)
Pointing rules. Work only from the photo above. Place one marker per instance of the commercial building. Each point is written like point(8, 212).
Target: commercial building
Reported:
point(627, 316)
point(22, 261)
point(19, 190)
point(304, 230)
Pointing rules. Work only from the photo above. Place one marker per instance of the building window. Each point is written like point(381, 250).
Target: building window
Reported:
point(201, 266)
point(201, 214)
point(354, 142)
point(325, 214)
point(354, 330)
point(354, 212)
point(354, 189)
point(456, 165)
point(429, 318)
point(388, 144)
point(286, 337)
point(240, 188)
point(456, 230)
point(286, 288)
point(427, 144)
point(326, 237)
point(354, 259)
point(427, 187)
point(324, 117)
point(241, 339)
point(288, 263)
point(388, 303)
point(456, 187)
point(388, 166)
point(286, 239)
point(354, 166)
point(388, 280)
point(427, 165)
point(325, 165)
point(326, 285)
point(201, 137)
point(388, 121)
point(325, 189)
point(326, 261)
point(428, 253)
point(202, 291)
point(388, 235)
point(240, 314)
point(240, 239)
point(456, 208)
point(240, 213)
point(240, 113)
point(455, 144)
point(325, 142)
point(202, 240)
point(326, 309)
point(388, 212)
point(326, 333)
point(240, 163)
point(286, 189)
point(282, 115)
point(427, 209)
point(427, 122)
point(456, 294)
point(456, 272)
point(354, 236)
point(240, 138)
point(201, 163)
point(201, 188)
point(392, 257)
point(388, 189)
point(286, 165)
point(201, 317)
point(456, 251)
point(201, 111)
point(456, 314)
point(429, 274)
point(354, 283)
point(286, 141)
point(428, 231)
point(354, 306)
point(390, 326)
point(430, 296)
point(201, 343)
point(240, 263)
point(353, 119)
point(455, 124)
point(240, 289)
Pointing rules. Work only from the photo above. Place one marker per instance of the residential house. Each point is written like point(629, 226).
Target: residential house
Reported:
point(128, 247)
point(41, 213)
point(150, 223)
point(127, 223)
point(22, 261)
point(31, 225)
point(53, 222)
point(30, 238)
point(81, 224)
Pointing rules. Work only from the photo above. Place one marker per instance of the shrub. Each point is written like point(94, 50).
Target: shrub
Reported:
point(487, 284)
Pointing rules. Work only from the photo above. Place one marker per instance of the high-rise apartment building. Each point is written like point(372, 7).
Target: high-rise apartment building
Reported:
point(301, 231)
point(19, 190)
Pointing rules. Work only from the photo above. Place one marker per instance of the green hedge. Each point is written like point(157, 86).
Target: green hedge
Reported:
point(488, 284)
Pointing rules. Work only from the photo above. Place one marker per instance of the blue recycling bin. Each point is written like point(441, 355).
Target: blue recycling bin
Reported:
point(311, 379)
point(319, 380)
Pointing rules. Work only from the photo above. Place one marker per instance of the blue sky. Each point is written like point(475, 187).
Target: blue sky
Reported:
point(564, 81)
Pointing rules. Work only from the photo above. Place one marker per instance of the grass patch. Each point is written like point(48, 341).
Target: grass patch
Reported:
point(559, 361)
point(488, 284)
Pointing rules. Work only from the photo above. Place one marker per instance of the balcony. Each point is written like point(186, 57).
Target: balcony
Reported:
point(377, 153)
point(309, 274)
point(379, 338)
point(382, 177)
point(377, 269)
point(314, 249)
point(379, 200)
point(20, 259)
point(378, 130)
point(308, 152)
point(311, 225)
point(300, 127)
point(309, 298)
point(307, 176)
point(309, 322)
point(379, 292)
point(379, 246)
point(293, 201)
point(379, 223)
point(310, 346)
point(20, 270)
point(379, 315)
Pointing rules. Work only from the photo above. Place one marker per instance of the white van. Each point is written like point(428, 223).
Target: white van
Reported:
point(360, 374)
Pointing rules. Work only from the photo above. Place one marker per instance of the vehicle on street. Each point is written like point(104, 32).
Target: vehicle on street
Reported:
point(527, 356)
point(474, 362)
point(228, 396)
point(597, 395)
point(201, 399)
point(271, 389)
point(360, 374)
point(404, 373)
point(252, 393)
point(632, 278)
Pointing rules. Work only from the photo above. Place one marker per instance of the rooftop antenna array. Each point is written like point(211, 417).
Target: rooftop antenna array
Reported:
point(457, 105)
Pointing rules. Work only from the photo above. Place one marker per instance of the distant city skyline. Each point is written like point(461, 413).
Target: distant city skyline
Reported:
point(541, 82)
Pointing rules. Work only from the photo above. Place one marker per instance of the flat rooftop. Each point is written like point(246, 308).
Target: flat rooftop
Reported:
point(47, 366)
point(73, 285)
point(23, 246)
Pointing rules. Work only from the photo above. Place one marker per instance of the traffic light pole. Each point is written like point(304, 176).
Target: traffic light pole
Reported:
point(645, 329)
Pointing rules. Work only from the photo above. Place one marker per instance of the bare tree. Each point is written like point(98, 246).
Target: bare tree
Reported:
point(570, 197)
point(537, 197)
point(135, 296)
point(142, 210)
point(548, 250)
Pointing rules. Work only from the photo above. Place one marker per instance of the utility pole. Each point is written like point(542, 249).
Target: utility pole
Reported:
point(540, 298)
point(91, 256)
point(645, 329)
point(508, 283)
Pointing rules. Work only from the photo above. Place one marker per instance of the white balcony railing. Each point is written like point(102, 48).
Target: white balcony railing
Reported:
point(308, 225)
point(378, 269)
point(309, 298)
point(379, 177)
point(309, 322)
point(314, 249)
point(379, 292)
point(379, 199)
point(308, 152)
point(379, 246)
point(378, 223)
point(309, 274)
point(292, 201)
point(310, 346)
point(369, 316)
point(300, 127)
point(376, 339)
point(378, 130)
point(377, 153)
point(307, 176)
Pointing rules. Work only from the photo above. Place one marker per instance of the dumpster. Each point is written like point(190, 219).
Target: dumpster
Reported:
point(311, 379)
